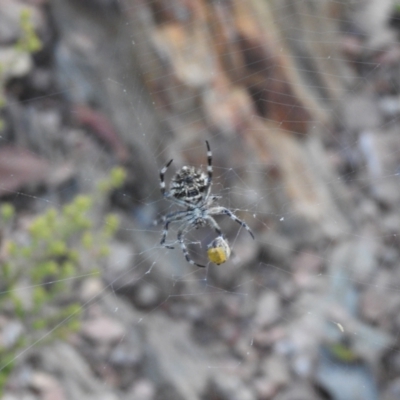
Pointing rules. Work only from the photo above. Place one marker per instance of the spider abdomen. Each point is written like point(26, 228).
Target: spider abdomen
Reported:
point(189, 184)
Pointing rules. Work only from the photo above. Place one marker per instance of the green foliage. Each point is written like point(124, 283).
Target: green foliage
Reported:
point(6, 212)
point(43, 267)
point(28, 42)
point(114, 181)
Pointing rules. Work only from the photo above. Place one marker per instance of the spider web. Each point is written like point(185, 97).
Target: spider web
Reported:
point(285, 314)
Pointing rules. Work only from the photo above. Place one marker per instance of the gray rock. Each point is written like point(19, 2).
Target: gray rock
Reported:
point(268, 309)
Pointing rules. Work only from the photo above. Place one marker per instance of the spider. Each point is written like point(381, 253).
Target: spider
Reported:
point(191, 189)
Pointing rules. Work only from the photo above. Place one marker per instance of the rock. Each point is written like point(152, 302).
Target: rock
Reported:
point(275, 368)
point(302, 365)
point(76, 378)
point(120, 258)
point(230, 387)
point(331, 373)
point(373, 304)
point(392, 391)
point(142, 389)
point(91, 288)
point(47, 386)
point(268, 309)
point(372, 19)
point(119, 272)
point(299, 391)
point(21, 168)
point(364, 105)
point(61, 174)
point(128, 352)
point(355, 258)
point(10, 332)
point(26, 396)
point(274, 375)
point(390, 105)
point(267, 338)
point(146, 295)
point(306, 266)
point(174, 359)
point(103, 330)
point(378, 153)
point(265, 388)
point(14, 63)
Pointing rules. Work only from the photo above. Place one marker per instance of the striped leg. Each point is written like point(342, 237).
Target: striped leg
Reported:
point(162, 182)
point(171, 217)
point(209, 165)
point(185, 251)
point(164, 236)
point(223, 210)
point(213, 224)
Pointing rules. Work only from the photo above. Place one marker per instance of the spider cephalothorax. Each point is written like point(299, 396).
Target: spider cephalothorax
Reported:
point(190, 188)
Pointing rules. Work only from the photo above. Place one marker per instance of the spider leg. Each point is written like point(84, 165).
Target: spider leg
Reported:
point(164, 236)
point(162, 182)
point(185, 251)
point(223, 210)
point(181, 203)
point(209, 167)
point(213, 223)
point(171, 217)
point(174, 216)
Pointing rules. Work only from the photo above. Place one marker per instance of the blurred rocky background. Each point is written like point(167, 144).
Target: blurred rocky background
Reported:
point(300, 101)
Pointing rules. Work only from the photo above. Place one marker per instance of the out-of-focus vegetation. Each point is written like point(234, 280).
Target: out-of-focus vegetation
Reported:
point(43, 265)
point(28, 43)
point(44, 260)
